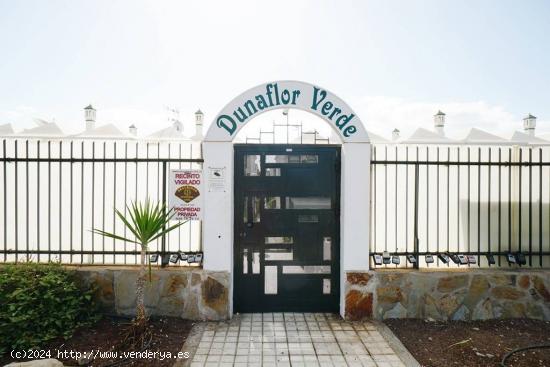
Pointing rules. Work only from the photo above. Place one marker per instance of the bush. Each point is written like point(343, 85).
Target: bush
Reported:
point(40, 302)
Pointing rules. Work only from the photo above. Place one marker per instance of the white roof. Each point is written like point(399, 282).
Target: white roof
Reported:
point(375, 138)
point(545, 136)
point(172, 132)
point(6, 129)
point(521, 137)
point(47, 129)
point(108, 131)
point(478, 136)
point(424, 136)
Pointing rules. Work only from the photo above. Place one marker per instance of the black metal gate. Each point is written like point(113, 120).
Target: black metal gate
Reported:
point(287, 218)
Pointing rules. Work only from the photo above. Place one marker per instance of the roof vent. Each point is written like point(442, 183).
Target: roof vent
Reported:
point(529, 124)
point(439, 123)
point(89, 116)
point(198, 125)
point(395, 135)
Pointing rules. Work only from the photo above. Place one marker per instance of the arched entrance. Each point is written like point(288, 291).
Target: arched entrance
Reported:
point(228, 220)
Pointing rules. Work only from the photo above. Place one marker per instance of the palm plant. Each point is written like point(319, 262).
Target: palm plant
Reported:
point(147, 222)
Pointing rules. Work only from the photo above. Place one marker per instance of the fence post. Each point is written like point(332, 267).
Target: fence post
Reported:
point(416, 174)
point(163, 238)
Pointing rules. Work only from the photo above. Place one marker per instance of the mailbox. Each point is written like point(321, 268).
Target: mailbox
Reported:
point(444, 258)
point(174, 258)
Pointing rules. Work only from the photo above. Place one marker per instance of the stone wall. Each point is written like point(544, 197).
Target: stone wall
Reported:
point(448, 295)
point(190, 293)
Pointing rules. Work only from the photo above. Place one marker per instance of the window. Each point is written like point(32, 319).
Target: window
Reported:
point(307, 269)
point(305, 218)
point(252, 165)
point(273, 171)
point(256, 202)
point(294, 158)
point(278, 254)
point(272, 202)
point(327, 246)
point(308, 203)
point(270, 285)
point(279, 240)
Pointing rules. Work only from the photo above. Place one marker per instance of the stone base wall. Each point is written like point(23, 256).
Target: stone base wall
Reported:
point(448, 295)
point(189, 293)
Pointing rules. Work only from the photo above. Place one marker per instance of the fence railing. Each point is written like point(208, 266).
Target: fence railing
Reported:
point(53, 193)
point(492, 203)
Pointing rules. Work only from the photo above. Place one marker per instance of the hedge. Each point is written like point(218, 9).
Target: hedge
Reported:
point(41, 302)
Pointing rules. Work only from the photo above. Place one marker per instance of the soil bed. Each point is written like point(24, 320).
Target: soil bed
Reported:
point(169, 334)
point(476, 343)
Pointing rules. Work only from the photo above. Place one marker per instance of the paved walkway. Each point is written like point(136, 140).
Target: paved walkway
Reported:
point(294, 339)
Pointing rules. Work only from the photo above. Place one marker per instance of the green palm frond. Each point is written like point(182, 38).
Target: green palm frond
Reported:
point(147, 221)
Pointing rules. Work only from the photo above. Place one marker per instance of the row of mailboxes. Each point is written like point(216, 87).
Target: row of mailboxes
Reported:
point(460, 259)
point(174, 258)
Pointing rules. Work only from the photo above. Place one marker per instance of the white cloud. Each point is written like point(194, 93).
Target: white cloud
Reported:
point(381, 114)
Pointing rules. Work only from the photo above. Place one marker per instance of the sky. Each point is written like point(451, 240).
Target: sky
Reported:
point(486, 64)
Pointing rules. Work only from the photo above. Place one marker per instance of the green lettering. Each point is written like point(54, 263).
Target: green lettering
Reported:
point(285, 96)
point(276, 91)
point(343, 120)
point(326, 108)
point(336, 111)
point(321, 93)
point(268, 92)
point(295, 94)
point(262, 104)
point(227, 123)
point(250, 108)
point(242, 117)
point(349, 130)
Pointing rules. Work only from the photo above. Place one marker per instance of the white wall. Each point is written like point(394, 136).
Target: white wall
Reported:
point(443, 200)
point(218, 209)
point(57, 211)
point(354, 214)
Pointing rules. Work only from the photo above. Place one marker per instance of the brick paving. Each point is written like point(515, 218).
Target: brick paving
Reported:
point(293, 339)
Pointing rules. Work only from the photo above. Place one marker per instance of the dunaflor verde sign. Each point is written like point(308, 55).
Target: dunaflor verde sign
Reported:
point(287, 94)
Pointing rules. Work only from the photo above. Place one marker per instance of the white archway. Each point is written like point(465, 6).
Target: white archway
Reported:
point(355, 176)
point(287, 94)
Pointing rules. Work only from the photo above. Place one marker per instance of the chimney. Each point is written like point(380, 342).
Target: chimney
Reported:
point(198, 125)
point(89, 115)
point(439, 123)
point(395, 135)
point(132, 130)
point(529, 124)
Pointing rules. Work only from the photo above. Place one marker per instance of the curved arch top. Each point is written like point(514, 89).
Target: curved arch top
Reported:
point(287, 94)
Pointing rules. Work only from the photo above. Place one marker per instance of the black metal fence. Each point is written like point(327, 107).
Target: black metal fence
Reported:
point(54, 192)
point(427, 202)
point(460, 206)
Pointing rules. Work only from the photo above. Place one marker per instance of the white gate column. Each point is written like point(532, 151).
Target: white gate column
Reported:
point(354, 212)
point(217, 230)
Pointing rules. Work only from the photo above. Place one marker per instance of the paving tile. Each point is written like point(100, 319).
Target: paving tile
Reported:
point(199, 358)
point(327, 349)
point(293, 339)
